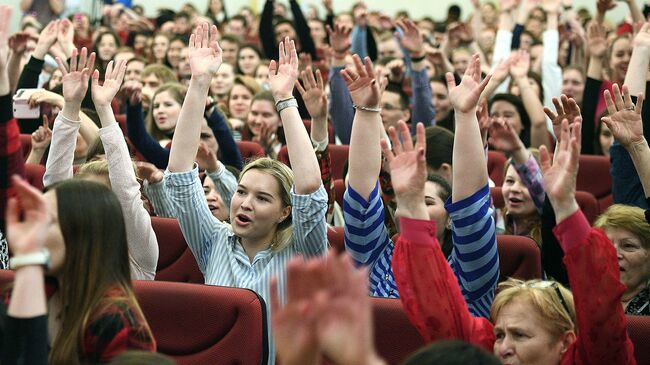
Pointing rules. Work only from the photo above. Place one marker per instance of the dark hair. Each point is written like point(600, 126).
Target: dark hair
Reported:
point(182, 14)
point(164, 16)
point(101, 64)
point(444, 193)
point(521, 110)
point(440, 146)
point(241, 18)
point(454, 12)
point(404, 101)
point(451, 353)
point(130, 40)
point(284, 21)
point(238, 70)
point(229, 38)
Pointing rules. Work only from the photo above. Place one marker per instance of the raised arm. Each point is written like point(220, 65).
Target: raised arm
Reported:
point(283, 75)
point(639, 61)
point(551, 71)
point(302, 30)
point(341, 110)
point(205, 59)
point(67, 123)
point(267, 34)
point(143, 245)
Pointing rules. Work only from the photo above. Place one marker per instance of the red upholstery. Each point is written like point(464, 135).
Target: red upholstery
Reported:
point(335, 238)
point(586, 201)
point(338, 155)
point(34, 175)
point(339, 188)
point(26, 144)
point(250, 150)
point(175, 261)
point(395, 337)
point(519, 257)
point(594, 177)
point(638, 327)
point(121, 120)
point(496, 162)
point(203, 324)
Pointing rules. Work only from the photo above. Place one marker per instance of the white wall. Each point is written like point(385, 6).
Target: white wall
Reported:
point(417, 8)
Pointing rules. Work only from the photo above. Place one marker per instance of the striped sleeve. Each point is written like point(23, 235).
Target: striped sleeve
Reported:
point(474, 258)
point(162, 205)
point(309, 225)
point(365, 236)
point(200, 228)
point(225, 183)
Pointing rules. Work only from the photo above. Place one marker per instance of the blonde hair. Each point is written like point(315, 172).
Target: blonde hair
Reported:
point(625, 217)
point(284, 177)
point(556, 311)
point(99, 168)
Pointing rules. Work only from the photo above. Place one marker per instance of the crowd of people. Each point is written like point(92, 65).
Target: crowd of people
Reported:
point(138, 117)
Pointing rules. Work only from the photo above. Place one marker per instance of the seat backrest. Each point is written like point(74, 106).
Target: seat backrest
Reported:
point(638, 328)
point(339, 189)
point(335, 238)
point(338, 158)
point(26, 144)
point(204, 324)
point(34, 175)
point(519, 257)
point(175, 260)
point(594, 177)
point(395, 336)
point(496, 162)
point(250, 150)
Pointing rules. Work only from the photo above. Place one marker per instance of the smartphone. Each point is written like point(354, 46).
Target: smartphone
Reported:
point(22, 109)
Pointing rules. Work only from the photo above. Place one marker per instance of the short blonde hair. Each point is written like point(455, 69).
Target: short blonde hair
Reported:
point(556, 311)
point(284, 177)
point(625, 217)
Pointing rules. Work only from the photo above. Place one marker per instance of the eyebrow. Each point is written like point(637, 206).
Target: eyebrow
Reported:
point(258, 192)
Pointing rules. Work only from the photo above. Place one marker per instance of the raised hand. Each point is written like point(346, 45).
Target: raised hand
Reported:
point(340, 38)
point(64, 40)
point(364, 88)
point(46, 39)
point(408, 169)
point(313, 94)
point(18, 42)
point(604, 5)
point(464, 97)
point(624, 119)
point(412, 38)
point(502, 69)
point(205, 158)
point(560, 178)
point(520, 64)
point(205, 54)
point(42, 137)
point(75, 79)
point(41, 96)
point(642, 38)
point(132, 91)
point(566, 108)
point(503, 137)
point(284, 73)
point(27, 218)
point(148, 171)
point(596, 40)
point(103, 94)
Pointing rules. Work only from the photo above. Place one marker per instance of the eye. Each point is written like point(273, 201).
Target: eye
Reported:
point(241, 192)
point(263, 198)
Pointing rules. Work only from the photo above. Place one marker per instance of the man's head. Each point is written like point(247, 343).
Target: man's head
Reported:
point(394, 106)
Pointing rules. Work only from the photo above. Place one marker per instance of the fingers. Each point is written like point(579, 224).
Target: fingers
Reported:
point(46, 122)
point(109, 70)
point(273, 68)
point(550, 113)
point(83, 57)
point(73, 60)
point(397, 145)
point(639, 103)
point(573, 106)
point(388, 154)
point(420, 137)
point(301, 90)
point(293, 54)
point(609, 102)
point(451, 82)
point(282, 53)
point(544, 159)
point(407, 143)
point(369, 69)
point(618, 98)
point(359, 66)
point(91, 61)
point(319, 80)
point(558, 105)
point(627, 98)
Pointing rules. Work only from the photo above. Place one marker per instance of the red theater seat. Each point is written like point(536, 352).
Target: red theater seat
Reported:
point(250, 150)
point(34, 175)
point(496, 162)
point(594, 177)
point(121, 120)
point(175, 261)
point(26, 144)
point(330, 129)
point(338, 156)
point(203, 324)
point(339, 188)
point(638, 327)
point(335, 238)
point(519, 257)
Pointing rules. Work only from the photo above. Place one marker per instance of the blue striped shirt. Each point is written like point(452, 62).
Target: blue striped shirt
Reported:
point(217, 250)
point(474, 258)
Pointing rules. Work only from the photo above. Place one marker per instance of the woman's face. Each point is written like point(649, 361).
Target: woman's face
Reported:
point(174, 53)
point(256, 207)
point(460, 61)
point(207, 137)
point(516, 195)
point(522, 337)
point(262, 75)
point(240, 101)
point(262, 114)
point(605, 138)
point(436, 208)
point(440, 100)
point(248, 61)
point(633, 258)
point(573, 85)
point(507, 111)
point(215, 6)
point(222, 80)
point(56, 78)
point(160, 45)
point(620, 58)
point(106, 47)
point(81, 23)
point(215, 202)
point(165, 111)
point(54, 242)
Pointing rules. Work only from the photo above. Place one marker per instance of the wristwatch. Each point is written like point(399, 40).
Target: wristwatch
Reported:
point(40, 257)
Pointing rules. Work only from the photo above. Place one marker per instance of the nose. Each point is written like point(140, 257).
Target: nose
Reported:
point(504, 349)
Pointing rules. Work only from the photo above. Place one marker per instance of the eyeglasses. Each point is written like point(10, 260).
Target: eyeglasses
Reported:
point(545, 284)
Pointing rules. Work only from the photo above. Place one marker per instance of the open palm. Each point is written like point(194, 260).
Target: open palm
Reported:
point(407, 163)
point(284, 73)
point(464, 97)
point(75, 79)
point(560, 178)
point(624, 118)
point(503, 137)
point(204, 52)
point(362, 83)
point(313, 94)
point(566, 108)
point(104, 94)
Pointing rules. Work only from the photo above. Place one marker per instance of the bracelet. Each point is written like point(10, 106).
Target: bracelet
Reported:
point(418, 59)
point(366, 108)
point(286, 103)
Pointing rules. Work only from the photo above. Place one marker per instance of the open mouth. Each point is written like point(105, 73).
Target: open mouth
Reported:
point(242, 220)
point(213, 207)
point(515, 201)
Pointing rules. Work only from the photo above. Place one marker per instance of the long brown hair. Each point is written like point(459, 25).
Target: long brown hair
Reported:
point(96, 260)
point(177, 92)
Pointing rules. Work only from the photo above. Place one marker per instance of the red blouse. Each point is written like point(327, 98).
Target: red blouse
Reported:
point(437, 309)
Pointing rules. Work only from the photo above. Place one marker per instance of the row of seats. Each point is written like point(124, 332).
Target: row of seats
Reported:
point(201, 324)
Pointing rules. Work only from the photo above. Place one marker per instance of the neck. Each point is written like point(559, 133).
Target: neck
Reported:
point(630, 293)
point(254, 245)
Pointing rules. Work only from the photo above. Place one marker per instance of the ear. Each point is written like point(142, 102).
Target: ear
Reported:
point(446, 171)
point(566, 340)
point(407, 115)
point(286, 211)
